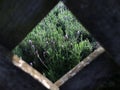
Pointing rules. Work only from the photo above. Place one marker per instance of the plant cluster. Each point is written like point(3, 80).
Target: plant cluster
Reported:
point(56, 44)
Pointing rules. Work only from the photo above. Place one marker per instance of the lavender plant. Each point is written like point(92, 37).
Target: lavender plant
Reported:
point(56, 44)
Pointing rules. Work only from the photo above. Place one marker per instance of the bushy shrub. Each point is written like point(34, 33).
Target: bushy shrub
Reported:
point(56, 44)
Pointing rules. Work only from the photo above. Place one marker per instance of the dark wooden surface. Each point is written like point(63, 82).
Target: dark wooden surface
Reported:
point(18, 17)
point(100, 17)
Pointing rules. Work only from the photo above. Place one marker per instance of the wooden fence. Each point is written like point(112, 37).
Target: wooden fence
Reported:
point(100, 17)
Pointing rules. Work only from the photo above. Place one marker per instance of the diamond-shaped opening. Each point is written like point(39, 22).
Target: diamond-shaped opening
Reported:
point(57, 44)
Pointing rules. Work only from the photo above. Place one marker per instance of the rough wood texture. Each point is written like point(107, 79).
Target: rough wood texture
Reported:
point(102, 19)
point(18, 17)
point(12, 78)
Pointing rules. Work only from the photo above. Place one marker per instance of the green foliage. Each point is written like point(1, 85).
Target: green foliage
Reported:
point(56, 44)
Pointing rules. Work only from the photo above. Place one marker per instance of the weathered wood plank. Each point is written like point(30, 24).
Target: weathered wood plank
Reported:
point(32, 72)
point(102, 19)
point(12, 78)
point(18, 17)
